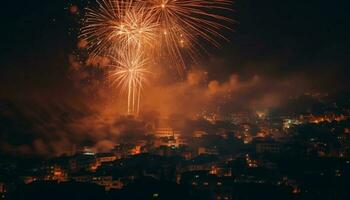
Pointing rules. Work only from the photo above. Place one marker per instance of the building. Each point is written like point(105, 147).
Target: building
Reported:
point(53, 173)
point(168, 137)
point(267, 146)
point(221, 170)
point(106, 181)
point(83, 162)
point(105, 158)
point(208, 151)
point(124, 150)
point(199, 134)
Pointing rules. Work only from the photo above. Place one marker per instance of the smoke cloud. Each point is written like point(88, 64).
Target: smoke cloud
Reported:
point(92, 114)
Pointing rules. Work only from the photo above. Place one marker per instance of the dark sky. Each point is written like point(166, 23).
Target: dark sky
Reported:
point(272, 38)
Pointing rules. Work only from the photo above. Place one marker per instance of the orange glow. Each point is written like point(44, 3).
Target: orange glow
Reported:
point(116, 26)
point(73, 9)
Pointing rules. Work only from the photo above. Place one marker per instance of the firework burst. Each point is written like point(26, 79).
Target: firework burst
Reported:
point(129, 72)
point(116, 24)
point(137, 29)
point(132, 32)
point(185, 23)
point(99, 24)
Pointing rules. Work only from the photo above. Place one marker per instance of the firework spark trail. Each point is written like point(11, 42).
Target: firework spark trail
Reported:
point(116, 24)
point(133, 31)
point(184, 22)
point(129, 72)
point(99, 26)
point(137, 28)
point(122, 31)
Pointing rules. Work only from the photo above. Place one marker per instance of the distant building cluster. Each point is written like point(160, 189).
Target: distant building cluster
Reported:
point(287, 155)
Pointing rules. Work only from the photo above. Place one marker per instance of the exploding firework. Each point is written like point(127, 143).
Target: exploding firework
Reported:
point(133, 32)
point(129, 72)
point(185, 23)
point(98, 28)
point(122, 31)
point(137, 29)
point(116, 24)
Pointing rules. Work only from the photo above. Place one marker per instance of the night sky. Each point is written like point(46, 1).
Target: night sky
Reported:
point(279, 48)
point(273, 38)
